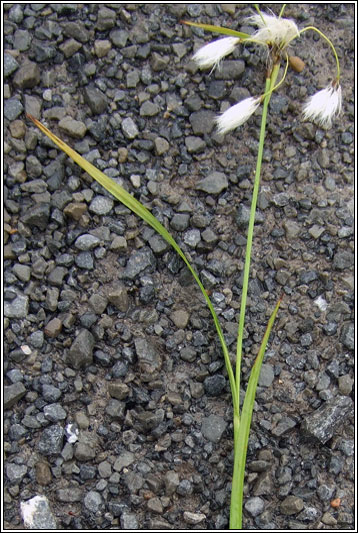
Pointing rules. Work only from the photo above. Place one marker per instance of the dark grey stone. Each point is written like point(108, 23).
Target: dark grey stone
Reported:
point(230, 69)
point(17, 308)
point(95, 99)
point(214, 183)
point(50, 393)
point(347, 336)
point(10, 65)
point(51, 440)
point(138, 261)
point(93, 501)
point(213, 427)
point(54, 412)
point(202, 122)
point(15, 473)
point(214, 385)
point(13, 108)
point(81, 352)
point(323, 423)
point(85, 260)
point(149, 358)
point(37, 215)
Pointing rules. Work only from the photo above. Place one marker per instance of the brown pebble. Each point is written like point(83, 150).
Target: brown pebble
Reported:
point(75, 210)
point(43, 473)
point(53, 328)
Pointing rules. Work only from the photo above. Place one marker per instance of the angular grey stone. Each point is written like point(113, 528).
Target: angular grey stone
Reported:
point(291, 505)
point(202, 122)
point(54, 412)
point(36, 513)
point(148, 109)
point(51, 440)
point(28, 76)
point(115, 409)
point(171, 481)
point(87, 242)
point(230, 69)
point(119, 37)
point(128, 521)
point(214, 183)
point(323, 423)
point(213, 427)
point(106, 19)
point(69, 495)
point(125, 459)
point(146, 421)
point(347, 336)
point(158, 244)
point(93, 501)
point(37, 215)
point(17, 308)
point(138, 261)
point(194, 144)
point(149, 359)
point(74, 128)
point(50, 393)
point(129, 128)
point(81, 352)
point(255, 506)
point(101, 205)
point(84, 260)
point(214, 385)
point(118, 296)
point(13, 393)
point(266, 375)
point(10, 65)
point(95, 99)
point(76, 30)
point(343, 260)
point(15, 473)
point(13, 108)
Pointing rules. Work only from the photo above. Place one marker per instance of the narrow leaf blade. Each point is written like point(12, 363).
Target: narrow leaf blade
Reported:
point(139, 209)
point(218, 29)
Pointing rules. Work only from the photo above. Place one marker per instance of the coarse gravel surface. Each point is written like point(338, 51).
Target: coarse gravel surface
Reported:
point(117, 404)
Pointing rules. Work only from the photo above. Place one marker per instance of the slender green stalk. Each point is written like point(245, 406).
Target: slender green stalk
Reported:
point(239, 454)
point(270, 82)
point(313, 28)
point(282, 10)
point(242, 430)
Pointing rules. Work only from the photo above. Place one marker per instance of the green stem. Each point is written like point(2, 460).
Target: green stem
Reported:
point(270, 82)
point(282, 10)
point(237, 484)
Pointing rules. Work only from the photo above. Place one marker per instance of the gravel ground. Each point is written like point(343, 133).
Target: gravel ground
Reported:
point(117, 404)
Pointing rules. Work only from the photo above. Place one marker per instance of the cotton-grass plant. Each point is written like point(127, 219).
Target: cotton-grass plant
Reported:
point(275, 33)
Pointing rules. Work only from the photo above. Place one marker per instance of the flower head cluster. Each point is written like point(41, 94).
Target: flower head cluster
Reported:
point(276, 33)
point(211, 54)
point(273, 30)
point(324, 105)
point(237, 114)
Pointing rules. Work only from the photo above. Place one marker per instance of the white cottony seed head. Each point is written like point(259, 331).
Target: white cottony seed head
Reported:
point(273, 30)
point(238, 114)
point(211, 54)
point(324, 105)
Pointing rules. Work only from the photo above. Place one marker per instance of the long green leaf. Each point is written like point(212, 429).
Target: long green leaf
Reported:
point(241, 435)
point(217, 29)
point(139, 209)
